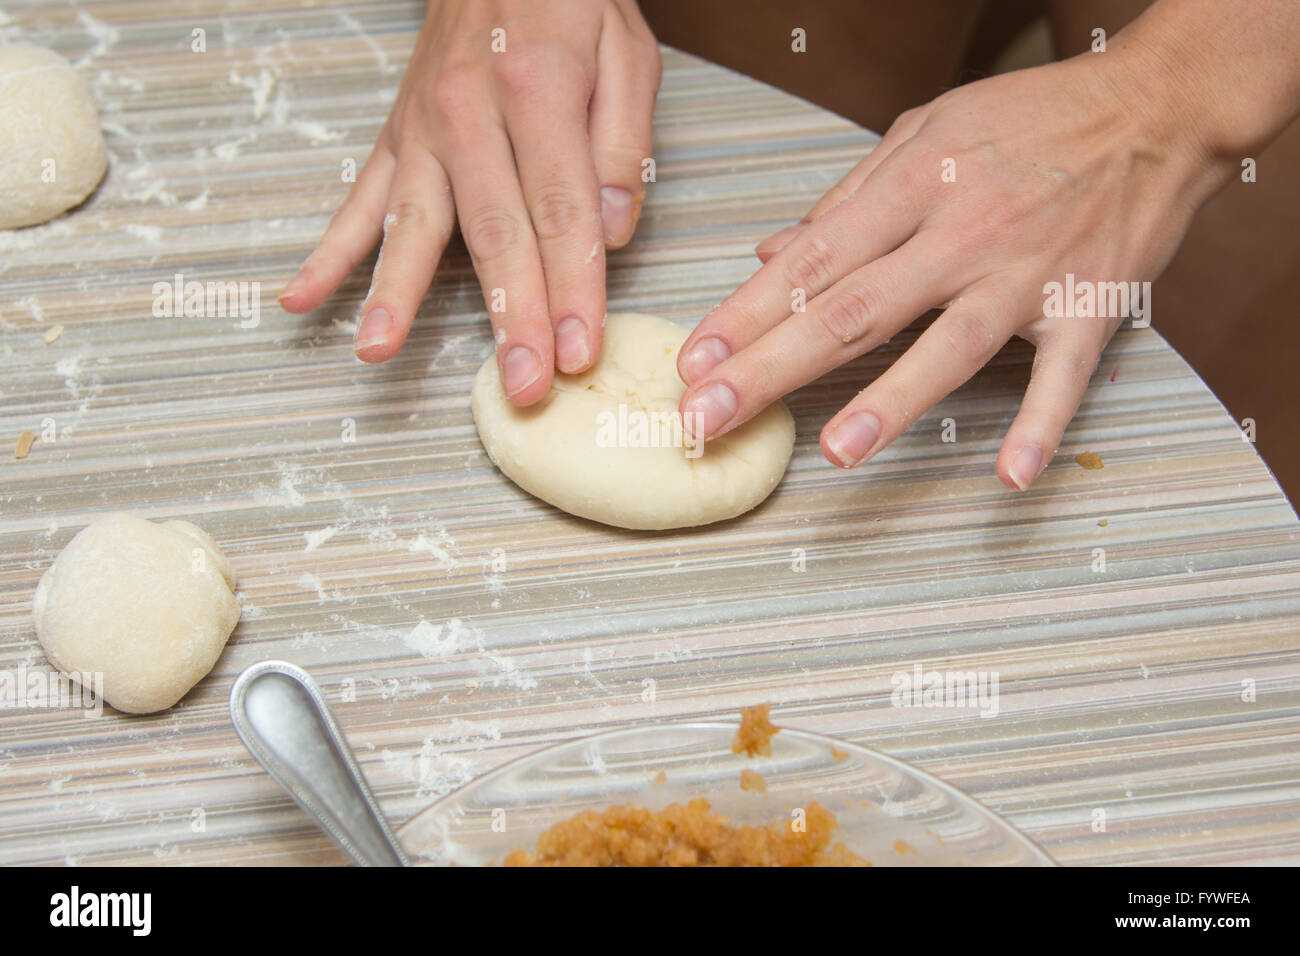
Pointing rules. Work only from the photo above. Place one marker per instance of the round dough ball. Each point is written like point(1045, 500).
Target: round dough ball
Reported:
point(46, 113)
point(149, 606)
point(607, 444)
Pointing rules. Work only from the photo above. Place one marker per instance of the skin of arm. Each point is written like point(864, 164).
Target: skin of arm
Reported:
point(1093, 166)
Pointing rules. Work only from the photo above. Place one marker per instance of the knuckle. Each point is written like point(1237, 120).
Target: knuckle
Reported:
point(920, 176)
point(814, 266)
point(836, 195)
point(330, 258)
point(906, 119)
point(970, 338)
point(519, 74)
point(555, 211)
point(454, 92)
point(742, 312)
point(851, 314)
point(540, 79)
point(656, 60)
point(404, 214)
point(762, 378)
point(647, 47)
point(491, 233)
point(339, 219)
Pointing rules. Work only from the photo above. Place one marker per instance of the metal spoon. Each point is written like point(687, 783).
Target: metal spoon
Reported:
point(282, 718)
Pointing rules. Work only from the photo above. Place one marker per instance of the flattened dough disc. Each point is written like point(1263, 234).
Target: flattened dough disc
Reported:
point(599, 444)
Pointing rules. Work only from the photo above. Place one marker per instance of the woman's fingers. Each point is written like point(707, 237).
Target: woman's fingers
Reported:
point(351, 234)
point(954, 347)
point(622, 107)
point(1063, 367)
point(898, 133)
point(854, 316)
point(549, 133)
point(536, 229)
point(417, 223)
point(499, 235)
point(880, 218)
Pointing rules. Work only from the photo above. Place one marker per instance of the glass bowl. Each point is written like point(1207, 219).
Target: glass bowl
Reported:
point(888, 812)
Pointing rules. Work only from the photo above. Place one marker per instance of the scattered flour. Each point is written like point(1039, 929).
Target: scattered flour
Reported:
point(316, 132)
point(439, 641)
point(150, 234)
point(29, 303)
point(229, 150)
point(260, 86)
point(316, 538)
point(438, 548)
point(509, 673)
point(355, 26)
point(309, 582)
point(104, 35)
point(432, 771)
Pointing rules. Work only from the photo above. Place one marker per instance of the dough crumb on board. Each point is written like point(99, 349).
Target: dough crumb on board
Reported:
point(751, 781)
point(1090, 460)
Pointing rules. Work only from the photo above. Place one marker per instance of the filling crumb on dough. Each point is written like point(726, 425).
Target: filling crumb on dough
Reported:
point(690, 835)
point(756, 732)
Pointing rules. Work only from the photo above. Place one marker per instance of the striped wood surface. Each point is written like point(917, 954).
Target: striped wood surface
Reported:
point(370, 562)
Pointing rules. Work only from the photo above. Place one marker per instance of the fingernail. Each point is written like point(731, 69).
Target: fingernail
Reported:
point(522, 366)
point(709, 409)
point(853, 438)
point(292, 288)
point(571, 352)
point(1028, 463)
point(778, 240)
point(704, 356)
point(618, 214)
point(374, 329)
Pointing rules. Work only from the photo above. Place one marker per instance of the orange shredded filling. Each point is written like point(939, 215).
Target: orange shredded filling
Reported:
point(690, 835)
point(756, 732)
point(753, 781)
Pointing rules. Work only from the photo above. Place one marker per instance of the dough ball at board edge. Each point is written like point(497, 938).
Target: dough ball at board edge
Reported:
point(47, 112)
point(150, 606)
point(550, 449)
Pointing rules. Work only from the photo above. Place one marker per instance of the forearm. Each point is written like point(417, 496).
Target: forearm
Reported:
point(1227, 69)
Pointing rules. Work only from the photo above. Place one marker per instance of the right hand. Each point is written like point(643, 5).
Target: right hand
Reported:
point(537, 150)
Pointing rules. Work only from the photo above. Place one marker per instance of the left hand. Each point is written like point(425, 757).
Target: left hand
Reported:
point(1074, 167)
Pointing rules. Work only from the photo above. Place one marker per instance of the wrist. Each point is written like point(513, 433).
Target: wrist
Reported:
point(1225, 71)
point(1168, 104)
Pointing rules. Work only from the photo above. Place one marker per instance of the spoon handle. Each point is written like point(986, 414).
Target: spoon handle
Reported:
point(283, 720)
